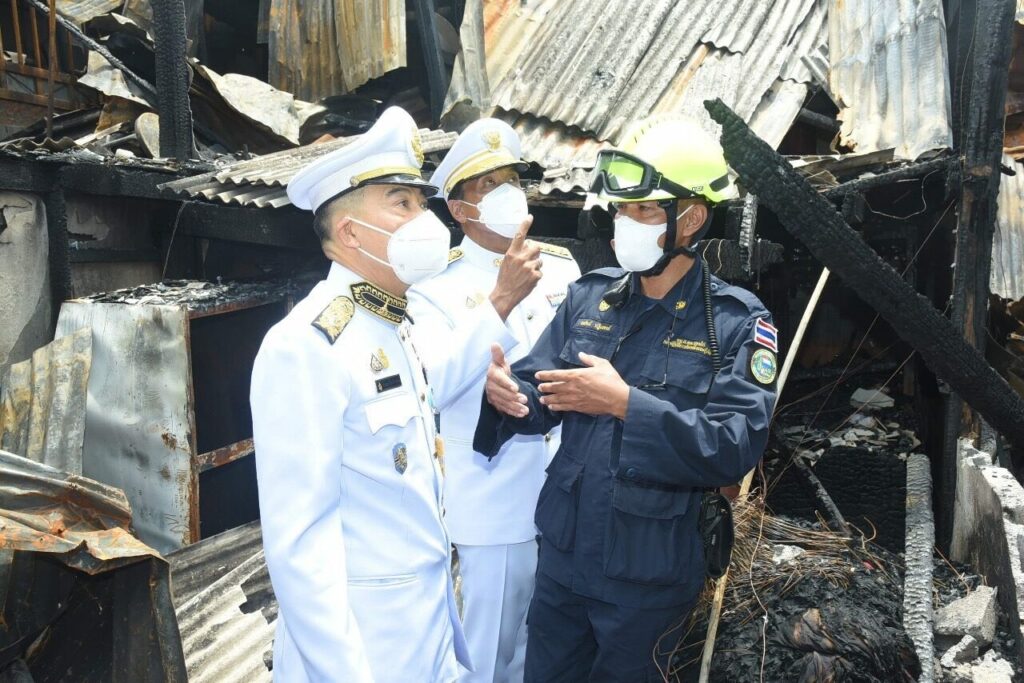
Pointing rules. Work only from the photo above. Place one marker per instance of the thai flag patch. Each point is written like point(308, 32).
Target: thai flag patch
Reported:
point(766, 335)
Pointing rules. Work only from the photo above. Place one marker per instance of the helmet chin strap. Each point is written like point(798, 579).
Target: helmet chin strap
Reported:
point(671, 207)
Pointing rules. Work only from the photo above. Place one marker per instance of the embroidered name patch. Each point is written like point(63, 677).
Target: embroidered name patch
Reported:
point(388, 383)
point(766, 335)
point(587, 323)
point(694, 345)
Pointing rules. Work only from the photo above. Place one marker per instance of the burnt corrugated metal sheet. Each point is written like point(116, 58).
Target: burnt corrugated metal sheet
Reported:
point(81, 11)
point(563, 76)
point(330, 47)
point(42, 403)
point(1007, 278)
point(890, 76)
point(225, 607)
point(262, 181)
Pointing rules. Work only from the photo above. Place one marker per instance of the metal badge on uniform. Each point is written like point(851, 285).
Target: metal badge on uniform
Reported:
point(764, 366)
point(401, 457)
point(389, 382)
point(379, 361)
point(766, 335)
point(603, 306)
point(474, 299)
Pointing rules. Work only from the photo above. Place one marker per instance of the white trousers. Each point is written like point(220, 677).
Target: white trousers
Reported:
point(497, 585)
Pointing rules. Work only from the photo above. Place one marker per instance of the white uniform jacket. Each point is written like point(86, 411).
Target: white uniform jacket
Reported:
point(489, 502)
point(350, 489)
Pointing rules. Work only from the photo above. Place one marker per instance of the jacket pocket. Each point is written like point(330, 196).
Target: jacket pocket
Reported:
point(557, 503)
point(395, 410)
point(652, 537)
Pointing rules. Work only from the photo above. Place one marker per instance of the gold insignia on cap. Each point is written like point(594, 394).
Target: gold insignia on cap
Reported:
point(333, 319)
point(379, 361)
point(417, 146)
point(492, 139)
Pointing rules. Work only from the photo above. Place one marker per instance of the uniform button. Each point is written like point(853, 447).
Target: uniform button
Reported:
point(631, 473)
point(529, 316)
point(547, 437)
point(423, 397)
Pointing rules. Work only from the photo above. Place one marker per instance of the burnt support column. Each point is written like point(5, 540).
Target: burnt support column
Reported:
point(436, 81)
point(814, 221)
point(979, 78)
point(60, 260)
point(172, 80)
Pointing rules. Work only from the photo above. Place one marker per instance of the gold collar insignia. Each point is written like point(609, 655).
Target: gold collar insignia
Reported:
point(382, 304)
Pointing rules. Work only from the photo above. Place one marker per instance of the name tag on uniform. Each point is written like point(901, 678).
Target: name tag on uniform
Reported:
point(387, 383)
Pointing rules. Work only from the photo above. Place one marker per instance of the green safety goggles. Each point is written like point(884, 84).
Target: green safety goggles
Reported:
point(624, 176)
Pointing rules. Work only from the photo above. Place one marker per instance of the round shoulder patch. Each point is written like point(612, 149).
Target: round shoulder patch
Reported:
point(764, 366)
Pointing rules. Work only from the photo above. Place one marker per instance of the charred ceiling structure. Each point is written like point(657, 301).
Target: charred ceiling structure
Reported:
point(144, 224)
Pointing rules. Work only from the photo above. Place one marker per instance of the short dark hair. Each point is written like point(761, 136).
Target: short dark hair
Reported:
point(322, 221)
point(458, 192)
point(323, 217)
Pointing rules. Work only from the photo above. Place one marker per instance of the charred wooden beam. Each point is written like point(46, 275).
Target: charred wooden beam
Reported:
point(918, 170)
point(172, 80)
point(979, 77)
point(286, 227)
point(814, 221)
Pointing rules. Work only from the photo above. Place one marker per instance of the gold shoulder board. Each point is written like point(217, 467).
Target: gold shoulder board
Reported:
point(333, 319)
point(560, 252)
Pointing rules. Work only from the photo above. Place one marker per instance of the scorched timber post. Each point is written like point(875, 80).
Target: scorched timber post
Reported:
point(172, 81)
point(978, 75)
point(812, 220)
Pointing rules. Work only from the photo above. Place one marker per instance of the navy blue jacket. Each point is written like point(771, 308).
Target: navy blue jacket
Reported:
point(618, 511)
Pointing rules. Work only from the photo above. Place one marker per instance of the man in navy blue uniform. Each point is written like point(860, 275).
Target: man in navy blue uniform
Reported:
point(663, 379)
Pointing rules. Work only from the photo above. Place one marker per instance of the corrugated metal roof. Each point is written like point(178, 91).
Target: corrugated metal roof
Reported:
point(330, 47)
point(42, 403)
point(889, 74)
point(225, 607)
point(1007, 277)
point(566, 81)
point(579, 71)
point(262, 181)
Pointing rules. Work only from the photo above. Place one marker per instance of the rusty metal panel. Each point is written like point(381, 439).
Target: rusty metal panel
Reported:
point(82, 522)
point(42, 403)
point(890, 75)
point(138, 425)
point(1007, 277)
point(330, 47)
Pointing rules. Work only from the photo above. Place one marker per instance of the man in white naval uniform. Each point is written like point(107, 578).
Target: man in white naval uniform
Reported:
point(490, 503)
point(344, 423)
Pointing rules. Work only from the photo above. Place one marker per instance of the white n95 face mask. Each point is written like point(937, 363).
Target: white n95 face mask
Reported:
point(502, 210)
point(636, 243)
point(417, 250)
